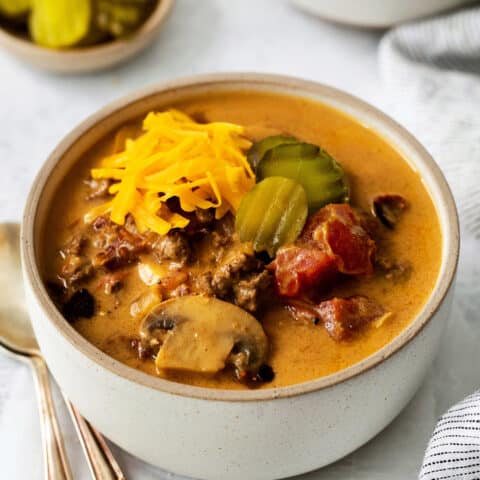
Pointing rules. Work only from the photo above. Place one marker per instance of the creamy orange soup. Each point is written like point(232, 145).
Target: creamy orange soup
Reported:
point(298, 350)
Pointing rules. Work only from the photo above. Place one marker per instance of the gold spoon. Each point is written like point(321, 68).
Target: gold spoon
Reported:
point(18, 339)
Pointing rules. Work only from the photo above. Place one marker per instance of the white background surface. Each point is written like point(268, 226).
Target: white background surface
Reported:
point(37, 109)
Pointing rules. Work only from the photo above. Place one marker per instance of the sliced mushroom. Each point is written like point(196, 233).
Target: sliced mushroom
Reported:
point(388, 207)
point(204, 334)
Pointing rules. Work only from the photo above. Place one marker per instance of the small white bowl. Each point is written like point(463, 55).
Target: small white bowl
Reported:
point(92, 58)
point(246, 434)
point(375, 13)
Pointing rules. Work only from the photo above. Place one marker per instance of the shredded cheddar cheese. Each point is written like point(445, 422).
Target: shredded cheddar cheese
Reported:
point(203, 165)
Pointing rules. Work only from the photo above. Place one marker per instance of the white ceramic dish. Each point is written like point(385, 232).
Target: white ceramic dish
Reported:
point(88, 59)
point(221, 434)
point(376, 13)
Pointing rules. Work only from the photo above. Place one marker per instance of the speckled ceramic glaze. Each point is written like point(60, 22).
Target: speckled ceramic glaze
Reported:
point(220, 434)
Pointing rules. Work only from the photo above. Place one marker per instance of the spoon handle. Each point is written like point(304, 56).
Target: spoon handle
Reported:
point(101, 461)
point(56, 461)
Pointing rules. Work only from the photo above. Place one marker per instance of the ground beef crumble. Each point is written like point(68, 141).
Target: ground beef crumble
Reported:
point(76, 266)
point(242, 278)
point(174, 246)
point(248, 292)
point(117, 245)
point(395, 270)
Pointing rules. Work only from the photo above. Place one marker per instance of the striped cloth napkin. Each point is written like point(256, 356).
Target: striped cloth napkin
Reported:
point(432, 73)
point(454, 449)
point(431, 70)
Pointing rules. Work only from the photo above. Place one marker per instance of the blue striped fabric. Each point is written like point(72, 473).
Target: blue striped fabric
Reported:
point(454, 449)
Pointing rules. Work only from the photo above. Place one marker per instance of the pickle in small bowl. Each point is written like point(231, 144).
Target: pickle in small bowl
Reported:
point(62, 24)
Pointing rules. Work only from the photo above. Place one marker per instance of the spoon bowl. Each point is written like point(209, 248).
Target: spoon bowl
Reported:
point(16, 332)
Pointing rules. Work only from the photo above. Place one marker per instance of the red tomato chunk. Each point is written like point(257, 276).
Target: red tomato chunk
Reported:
point(339, 231)
point(298, 269)
point(343, 316)
point(334, 240)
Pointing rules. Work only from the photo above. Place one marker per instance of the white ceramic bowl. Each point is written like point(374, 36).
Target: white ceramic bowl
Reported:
point(376, 13)
point(91, 58)
point(221, 434)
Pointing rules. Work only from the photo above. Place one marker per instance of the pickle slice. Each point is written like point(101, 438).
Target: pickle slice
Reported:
point(60, 23)
point(322, 177)
point(259, 149)
point(272, 214)
point(121, 17)
point(14, 8)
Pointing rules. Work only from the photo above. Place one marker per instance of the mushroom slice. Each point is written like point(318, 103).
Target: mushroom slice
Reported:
point(204, 334)
point(388, 208)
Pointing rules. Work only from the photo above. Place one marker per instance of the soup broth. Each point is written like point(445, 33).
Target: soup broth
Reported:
point(299, 350)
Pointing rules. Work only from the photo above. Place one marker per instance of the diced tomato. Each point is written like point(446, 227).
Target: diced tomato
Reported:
point(334, 240)
point(343, 316)
point(341, 211)
point(339, 232)
point(300, 268)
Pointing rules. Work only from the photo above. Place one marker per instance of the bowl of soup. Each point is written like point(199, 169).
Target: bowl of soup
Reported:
point(239, 275)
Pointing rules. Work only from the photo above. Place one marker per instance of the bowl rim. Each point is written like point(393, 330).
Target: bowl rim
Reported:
point(254, 81)
point(148, 27)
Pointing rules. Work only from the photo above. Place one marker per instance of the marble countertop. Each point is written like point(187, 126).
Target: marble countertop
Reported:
point(38, 109)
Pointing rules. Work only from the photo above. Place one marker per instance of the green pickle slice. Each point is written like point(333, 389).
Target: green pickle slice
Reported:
point(322, 177)
point(259, 149)
point(14, 8)
point(121, 17)
point(60, 23)
point(78, 23)
point(272, 214)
